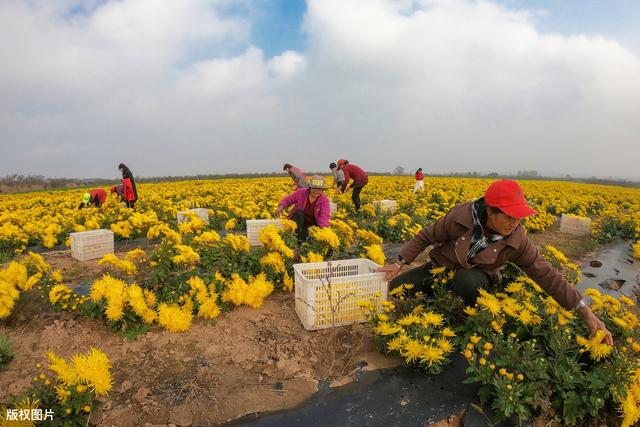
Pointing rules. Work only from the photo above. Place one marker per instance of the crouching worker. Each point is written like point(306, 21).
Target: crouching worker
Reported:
point(311, 207)
point(94, 197)
point(476, 239)
point(118, 191)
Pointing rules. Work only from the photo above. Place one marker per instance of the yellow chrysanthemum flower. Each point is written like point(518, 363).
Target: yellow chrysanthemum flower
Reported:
point(237, 242)
point(174, 318)
point(385, 328)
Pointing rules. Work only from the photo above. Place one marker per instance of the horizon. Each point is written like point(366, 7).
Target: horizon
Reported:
point(280, 174)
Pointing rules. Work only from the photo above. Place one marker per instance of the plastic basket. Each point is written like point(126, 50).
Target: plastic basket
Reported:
point(575, 225)
point(202, 213)
point(93, 244)
point(319, 286)
point(385, 205)
point(255, 225)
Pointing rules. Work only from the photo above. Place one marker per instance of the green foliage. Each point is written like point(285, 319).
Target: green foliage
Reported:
point(70, 413)
point(392, 231)
point(509, 273)
point(609, 228)
point(530, 356)
point(6, 353)
point(5, 254)
point(132, 333)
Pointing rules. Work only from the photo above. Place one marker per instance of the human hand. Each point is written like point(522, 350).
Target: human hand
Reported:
point(278, 212)
point(392, 270)
point(594, 325)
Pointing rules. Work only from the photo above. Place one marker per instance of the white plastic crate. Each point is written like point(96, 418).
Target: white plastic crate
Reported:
point(575, 225)
point(333, 208)
point(386, 205)
point(319, 287)
point(202, 213)
point(255, 225)
point(93, 244)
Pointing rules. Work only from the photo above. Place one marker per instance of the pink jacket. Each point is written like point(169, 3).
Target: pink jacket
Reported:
point(300, 198)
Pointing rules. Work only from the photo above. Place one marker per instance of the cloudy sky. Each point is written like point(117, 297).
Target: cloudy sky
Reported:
point(182, 87)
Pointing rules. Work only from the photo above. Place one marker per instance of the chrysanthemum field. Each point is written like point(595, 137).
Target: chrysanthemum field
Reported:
point(211, 312)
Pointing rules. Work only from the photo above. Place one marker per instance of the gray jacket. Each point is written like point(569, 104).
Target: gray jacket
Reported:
point(338, 175)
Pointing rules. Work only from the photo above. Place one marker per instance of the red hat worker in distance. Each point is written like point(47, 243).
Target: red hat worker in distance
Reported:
point(507, 195)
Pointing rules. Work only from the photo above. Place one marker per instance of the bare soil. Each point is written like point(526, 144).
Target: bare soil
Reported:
point(250, 361)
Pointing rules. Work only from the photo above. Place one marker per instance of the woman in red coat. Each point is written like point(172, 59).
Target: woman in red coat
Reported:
point(128, 185)
point(419, 183)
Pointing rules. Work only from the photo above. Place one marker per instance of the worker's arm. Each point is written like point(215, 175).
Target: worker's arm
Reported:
point(437, 232)
point(287, 201)
point(528, 258)
point(347, 178)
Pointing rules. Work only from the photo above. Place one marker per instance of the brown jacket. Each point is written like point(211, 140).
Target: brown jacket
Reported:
point(451, 235)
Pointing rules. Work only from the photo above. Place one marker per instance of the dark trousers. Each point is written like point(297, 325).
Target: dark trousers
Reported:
point(130, 203)
point(355, 195)
point(302, 227)
point(465, 282)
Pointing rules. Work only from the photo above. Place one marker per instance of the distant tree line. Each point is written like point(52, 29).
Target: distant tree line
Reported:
point(533, 175)
point(15, 183)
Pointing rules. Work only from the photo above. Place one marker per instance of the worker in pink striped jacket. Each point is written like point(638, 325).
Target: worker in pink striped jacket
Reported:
point(311, 207)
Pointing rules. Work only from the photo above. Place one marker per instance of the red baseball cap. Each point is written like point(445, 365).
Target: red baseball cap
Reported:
point(507, 195)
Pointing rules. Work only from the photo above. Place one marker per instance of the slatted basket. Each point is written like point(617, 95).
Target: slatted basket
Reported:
point(324, 290)
point(202, 213)
point(386, 205)
point(93, 244)
point(255, 225)
point(575, 225)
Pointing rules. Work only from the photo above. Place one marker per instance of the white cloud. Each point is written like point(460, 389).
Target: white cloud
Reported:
point(469, 86)
point(287, 64)
point(177, 87)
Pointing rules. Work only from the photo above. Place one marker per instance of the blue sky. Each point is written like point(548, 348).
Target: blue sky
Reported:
point(615, 18)
point(278, 24)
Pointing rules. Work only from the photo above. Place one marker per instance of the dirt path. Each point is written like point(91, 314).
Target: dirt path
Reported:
point(250, 361)
point(576, 248)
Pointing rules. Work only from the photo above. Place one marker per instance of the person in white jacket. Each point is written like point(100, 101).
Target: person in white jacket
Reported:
point(338, 178)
